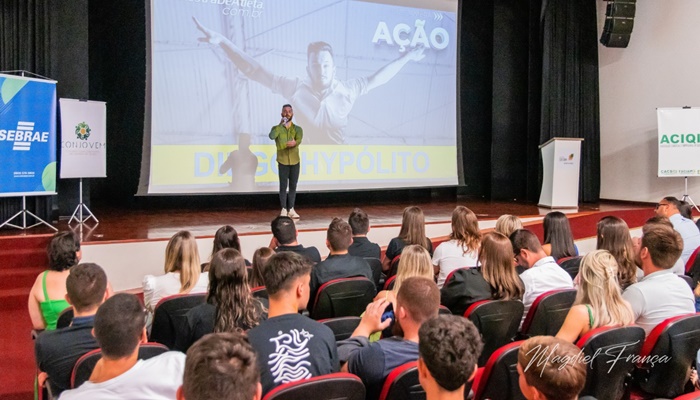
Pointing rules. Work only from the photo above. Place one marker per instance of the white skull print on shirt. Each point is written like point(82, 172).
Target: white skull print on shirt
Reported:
point(289, 362)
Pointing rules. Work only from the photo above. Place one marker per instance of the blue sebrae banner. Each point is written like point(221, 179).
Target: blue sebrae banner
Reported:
point(27, 136)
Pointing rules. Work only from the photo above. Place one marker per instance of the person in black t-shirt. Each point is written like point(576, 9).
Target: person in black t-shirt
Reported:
point(418, 301)
point(339, 264)
point(290, 346)
point(284, 238)
point(361, 246)
point(57, 351)
point(412, 232)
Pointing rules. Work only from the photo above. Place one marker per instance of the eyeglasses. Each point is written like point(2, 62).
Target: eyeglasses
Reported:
point(658, 205)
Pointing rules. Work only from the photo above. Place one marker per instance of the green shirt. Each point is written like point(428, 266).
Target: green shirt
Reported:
point(281, 135)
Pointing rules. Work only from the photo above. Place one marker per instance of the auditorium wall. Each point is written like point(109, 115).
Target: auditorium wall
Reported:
point(660, 68)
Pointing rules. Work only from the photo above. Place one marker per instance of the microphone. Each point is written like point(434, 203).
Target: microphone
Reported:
point(285, 120)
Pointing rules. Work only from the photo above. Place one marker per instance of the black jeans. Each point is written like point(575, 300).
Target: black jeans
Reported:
point(288, 173)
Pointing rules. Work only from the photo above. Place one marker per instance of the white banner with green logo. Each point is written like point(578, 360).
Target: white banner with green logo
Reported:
point(679, 141)
point(83, 139)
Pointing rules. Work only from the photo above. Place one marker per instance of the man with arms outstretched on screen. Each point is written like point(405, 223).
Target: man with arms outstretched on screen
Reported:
point(323, 101)
point(287, 137)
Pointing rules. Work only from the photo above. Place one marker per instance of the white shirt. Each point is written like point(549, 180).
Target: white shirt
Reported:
point(542, 277)
point(157, 287)
point(658, 296)
point(155, 378)
point(690, 234)
point(450, 256)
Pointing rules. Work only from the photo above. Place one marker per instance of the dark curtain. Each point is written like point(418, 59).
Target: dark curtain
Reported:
point(529, 72)
point(570, 105)
point(25, 44)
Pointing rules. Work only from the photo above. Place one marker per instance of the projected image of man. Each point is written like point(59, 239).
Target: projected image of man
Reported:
point(287, 137)
point(323, 102)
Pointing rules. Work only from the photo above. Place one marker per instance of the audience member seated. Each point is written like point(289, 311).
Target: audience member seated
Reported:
point(412, 232)
point(685, 209)
point(558, 239)
point(415, 261)
point(614, 236)
point(679, 267)
point(260, 258)
point(669, 207)
point(599, 299)
point(448, 350)
point(119, 374)
point(229, 307)
point(226, 237)
point(361, 246)
point(496, 278)
point(418, 300)
point(542, 273)
point(284, 238)
point(221, 366)
point(290, 346)
point(550, 369)
point(57, 351)
point(660, 294)
point(339, 264)
point(507, 224)
point(182, 272)
point(462, 249)
point(47, 296)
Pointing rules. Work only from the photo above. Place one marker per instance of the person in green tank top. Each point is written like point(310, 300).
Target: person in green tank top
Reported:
point(47, 297)
point(287, 137)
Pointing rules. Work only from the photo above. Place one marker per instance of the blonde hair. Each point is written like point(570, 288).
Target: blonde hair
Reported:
point(415, 261)
point(182, 255)
point(496, 258)
point(507, 224)
point(465, 229)
point(413, 227)
point(600, 289)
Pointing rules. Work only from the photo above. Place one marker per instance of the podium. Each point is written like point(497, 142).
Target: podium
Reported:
point(561, 161)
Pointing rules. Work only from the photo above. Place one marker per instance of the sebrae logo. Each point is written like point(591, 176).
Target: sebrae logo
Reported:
point(82, 131)
point(23, 136)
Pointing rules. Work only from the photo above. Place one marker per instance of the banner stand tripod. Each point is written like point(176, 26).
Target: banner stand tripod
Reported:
point(79, 210)
point(686, 197)
point(23, 212)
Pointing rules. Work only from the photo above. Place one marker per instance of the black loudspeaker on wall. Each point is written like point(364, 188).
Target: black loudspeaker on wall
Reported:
point(619, 21)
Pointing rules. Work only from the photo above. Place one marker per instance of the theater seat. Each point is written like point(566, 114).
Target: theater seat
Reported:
point(342, 327)
point(610, 348)
point(548, 312)
point(497, 321)
point(345, 297)
point(571, 265)
point(498, 380)
point(259, 292)
point(666, 357)
point(338, 386)
point(402, 384)
point(169, 314)
point(65, 318)
point(85, 364)
point(375, 265)
point(389, 283)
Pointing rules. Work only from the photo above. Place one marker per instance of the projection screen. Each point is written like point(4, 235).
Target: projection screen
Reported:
point(373, 84)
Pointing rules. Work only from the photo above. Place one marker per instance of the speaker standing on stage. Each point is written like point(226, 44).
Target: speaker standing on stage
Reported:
point(287, 137)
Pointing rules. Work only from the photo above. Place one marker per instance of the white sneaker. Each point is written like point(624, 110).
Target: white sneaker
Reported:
point(293, 214)
point(284, 213)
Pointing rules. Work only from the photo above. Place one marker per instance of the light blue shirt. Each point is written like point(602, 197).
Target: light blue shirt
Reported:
point(689, 232)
